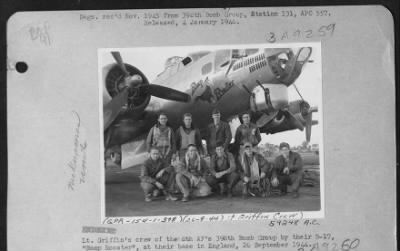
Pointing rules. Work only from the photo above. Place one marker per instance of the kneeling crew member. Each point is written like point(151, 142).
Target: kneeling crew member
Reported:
point(255, 172)
point(157, 175)
point(192, 174)
point(223, 171)
point(288, 170)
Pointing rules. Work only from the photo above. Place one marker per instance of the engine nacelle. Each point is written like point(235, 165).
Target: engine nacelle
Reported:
point(269, 98)
point(276, 121)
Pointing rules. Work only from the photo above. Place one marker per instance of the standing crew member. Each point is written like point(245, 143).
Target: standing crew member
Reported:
point(246, 132)
point(162, 137)
point(187, 135)
point(219, 132)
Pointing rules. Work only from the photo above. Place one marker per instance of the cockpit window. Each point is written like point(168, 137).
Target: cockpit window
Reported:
point(286, 65)
point(279, 63)
point(186, 60)
point(172, 61)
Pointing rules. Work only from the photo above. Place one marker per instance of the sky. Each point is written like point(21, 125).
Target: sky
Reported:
point(150, 60)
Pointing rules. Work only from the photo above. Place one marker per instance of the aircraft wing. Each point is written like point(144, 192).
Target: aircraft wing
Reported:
point(133, 153)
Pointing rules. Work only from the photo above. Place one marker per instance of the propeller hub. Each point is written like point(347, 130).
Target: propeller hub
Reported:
point(304, 108)
point(134, 81)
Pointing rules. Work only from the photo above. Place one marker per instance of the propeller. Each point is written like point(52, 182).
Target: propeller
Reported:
point(165, 92)
point(308, 126)
point(309, 122)
point(135, 86)
point(120, 62)
point(302, 117)
point(111, 110)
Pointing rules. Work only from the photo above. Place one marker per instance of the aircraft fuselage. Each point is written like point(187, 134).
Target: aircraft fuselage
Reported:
point(218, 80)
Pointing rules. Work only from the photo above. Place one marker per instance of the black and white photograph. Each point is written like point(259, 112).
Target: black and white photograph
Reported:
point(207, 130)
point(202, 128)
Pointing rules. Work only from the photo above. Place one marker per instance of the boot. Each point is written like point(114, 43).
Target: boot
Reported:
point(221, 188)
point(147, 198)
point(244, 192)
point(169, 196)
point(229, 192)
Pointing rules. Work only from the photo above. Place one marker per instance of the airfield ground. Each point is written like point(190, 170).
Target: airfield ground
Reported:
point(124, 197)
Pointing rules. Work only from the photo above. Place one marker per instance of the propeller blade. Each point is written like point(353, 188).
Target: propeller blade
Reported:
point(313, 109)
point(112, 109)
point(265, 118)
point(308, 126)
point(165, 93)
point(120, 62)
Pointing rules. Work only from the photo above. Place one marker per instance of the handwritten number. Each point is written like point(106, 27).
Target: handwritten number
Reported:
point(309, 33)
point(271, 38)
point(331, 28)
point(347, 245)
point(324, 29)
point(355, 243)
point(321, 31)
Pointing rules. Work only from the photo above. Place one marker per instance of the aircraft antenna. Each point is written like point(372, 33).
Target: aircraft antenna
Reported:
point(298, 92)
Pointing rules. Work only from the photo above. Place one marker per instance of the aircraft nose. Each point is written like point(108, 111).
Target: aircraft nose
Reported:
point(296, 63)
point(287, 66)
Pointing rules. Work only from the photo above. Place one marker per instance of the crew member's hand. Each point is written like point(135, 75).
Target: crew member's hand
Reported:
point(195, 180)
point(246, 179)
point(160, 173)
point(286, 170)
point(174, 162)
point(253, 132)
point(275, 182)
point(159, 185)
point(219, 175)
point(262, 175)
